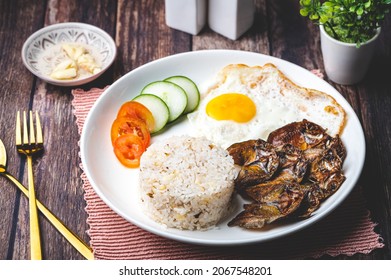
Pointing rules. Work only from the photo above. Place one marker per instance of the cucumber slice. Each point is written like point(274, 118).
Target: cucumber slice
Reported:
point(191, 89)
point(173, 95)
point(157, 107)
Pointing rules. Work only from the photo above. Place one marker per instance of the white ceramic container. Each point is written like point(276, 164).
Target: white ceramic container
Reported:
point(186, 15)
point(345, 63)
point(231, 18)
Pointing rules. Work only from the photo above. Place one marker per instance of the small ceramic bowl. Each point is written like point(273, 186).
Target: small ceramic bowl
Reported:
point(42, 50)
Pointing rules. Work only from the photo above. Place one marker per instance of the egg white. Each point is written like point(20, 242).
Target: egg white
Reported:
point(276, 105)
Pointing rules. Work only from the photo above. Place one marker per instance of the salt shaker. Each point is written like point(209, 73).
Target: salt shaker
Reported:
point(231, 18)
point(186, 15)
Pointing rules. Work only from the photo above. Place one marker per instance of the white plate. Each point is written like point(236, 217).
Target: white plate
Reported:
point(42, 50)
point(117, 185)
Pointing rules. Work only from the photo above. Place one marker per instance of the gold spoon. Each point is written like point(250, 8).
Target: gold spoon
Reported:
point(76, 242)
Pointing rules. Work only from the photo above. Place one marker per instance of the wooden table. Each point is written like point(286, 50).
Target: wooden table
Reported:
point(141, 35)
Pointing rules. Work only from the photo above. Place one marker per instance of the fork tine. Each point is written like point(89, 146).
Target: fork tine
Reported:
point(25, 134)
point(18, 130)
point(26, 144)
point(32, 133)
point(39, 129)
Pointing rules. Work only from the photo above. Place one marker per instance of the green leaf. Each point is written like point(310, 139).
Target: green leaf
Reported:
point(314, 17)
point(323, 19)
point(328, 4)
point(305, 2)
point(304, 12)
point(352, 21)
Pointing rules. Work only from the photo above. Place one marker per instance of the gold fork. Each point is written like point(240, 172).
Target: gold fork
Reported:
point(28, 144)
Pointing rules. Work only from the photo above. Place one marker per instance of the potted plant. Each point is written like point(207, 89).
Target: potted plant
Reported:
point(348, 31)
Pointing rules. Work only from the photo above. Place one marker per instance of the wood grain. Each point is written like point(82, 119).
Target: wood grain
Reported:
point(141, 36)
point(61, 181)
point(17, 91)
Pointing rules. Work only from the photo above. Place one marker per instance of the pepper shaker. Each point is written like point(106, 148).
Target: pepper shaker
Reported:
point(231, 18)
point(186, 15)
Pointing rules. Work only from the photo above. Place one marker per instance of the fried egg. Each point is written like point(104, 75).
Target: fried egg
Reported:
point(250, 102)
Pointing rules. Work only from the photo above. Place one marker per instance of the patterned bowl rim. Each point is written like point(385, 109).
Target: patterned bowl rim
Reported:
point(69, 25)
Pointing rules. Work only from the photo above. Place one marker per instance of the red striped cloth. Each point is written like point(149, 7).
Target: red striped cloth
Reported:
point(348, 230)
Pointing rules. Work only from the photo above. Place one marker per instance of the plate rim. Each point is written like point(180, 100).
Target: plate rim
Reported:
point(295, 228)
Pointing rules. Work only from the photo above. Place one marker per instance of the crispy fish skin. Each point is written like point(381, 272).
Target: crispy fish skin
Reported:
point(309, 170)
point(258, 159)
point(311, 202)
point(335, 143)
point(317, 193)
point(274, 191)
point(246, 219)
point(324, 179)
point(303, 135)
point(293, 164)
point(325, 165)
point(281, 200)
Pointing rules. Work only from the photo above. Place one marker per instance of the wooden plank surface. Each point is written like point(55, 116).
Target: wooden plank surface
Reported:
point(141, 36)
point(16, 89)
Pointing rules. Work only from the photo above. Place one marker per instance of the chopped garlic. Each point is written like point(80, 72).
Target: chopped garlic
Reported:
point(65, 70)
point(87, 62)
point(78, 59)
point(74, 51)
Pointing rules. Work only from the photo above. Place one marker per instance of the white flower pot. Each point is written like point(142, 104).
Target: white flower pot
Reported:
point(186, 15)
point(231, 18)
point(345, 63)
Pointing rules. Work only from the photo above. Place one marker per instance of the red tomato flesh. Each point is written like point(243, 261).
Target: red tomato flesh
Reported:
point(128, 148)
point(127, 125)
point(134, 109)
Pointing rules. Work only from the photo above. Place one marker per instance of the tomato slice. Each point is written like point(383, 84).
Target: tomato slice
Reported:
point(127, 125)
point(134, 109)
point(128, 148)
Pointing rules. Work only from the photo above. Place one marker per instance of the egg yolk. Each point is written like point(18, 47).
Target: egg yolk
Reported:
point(231, 106)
